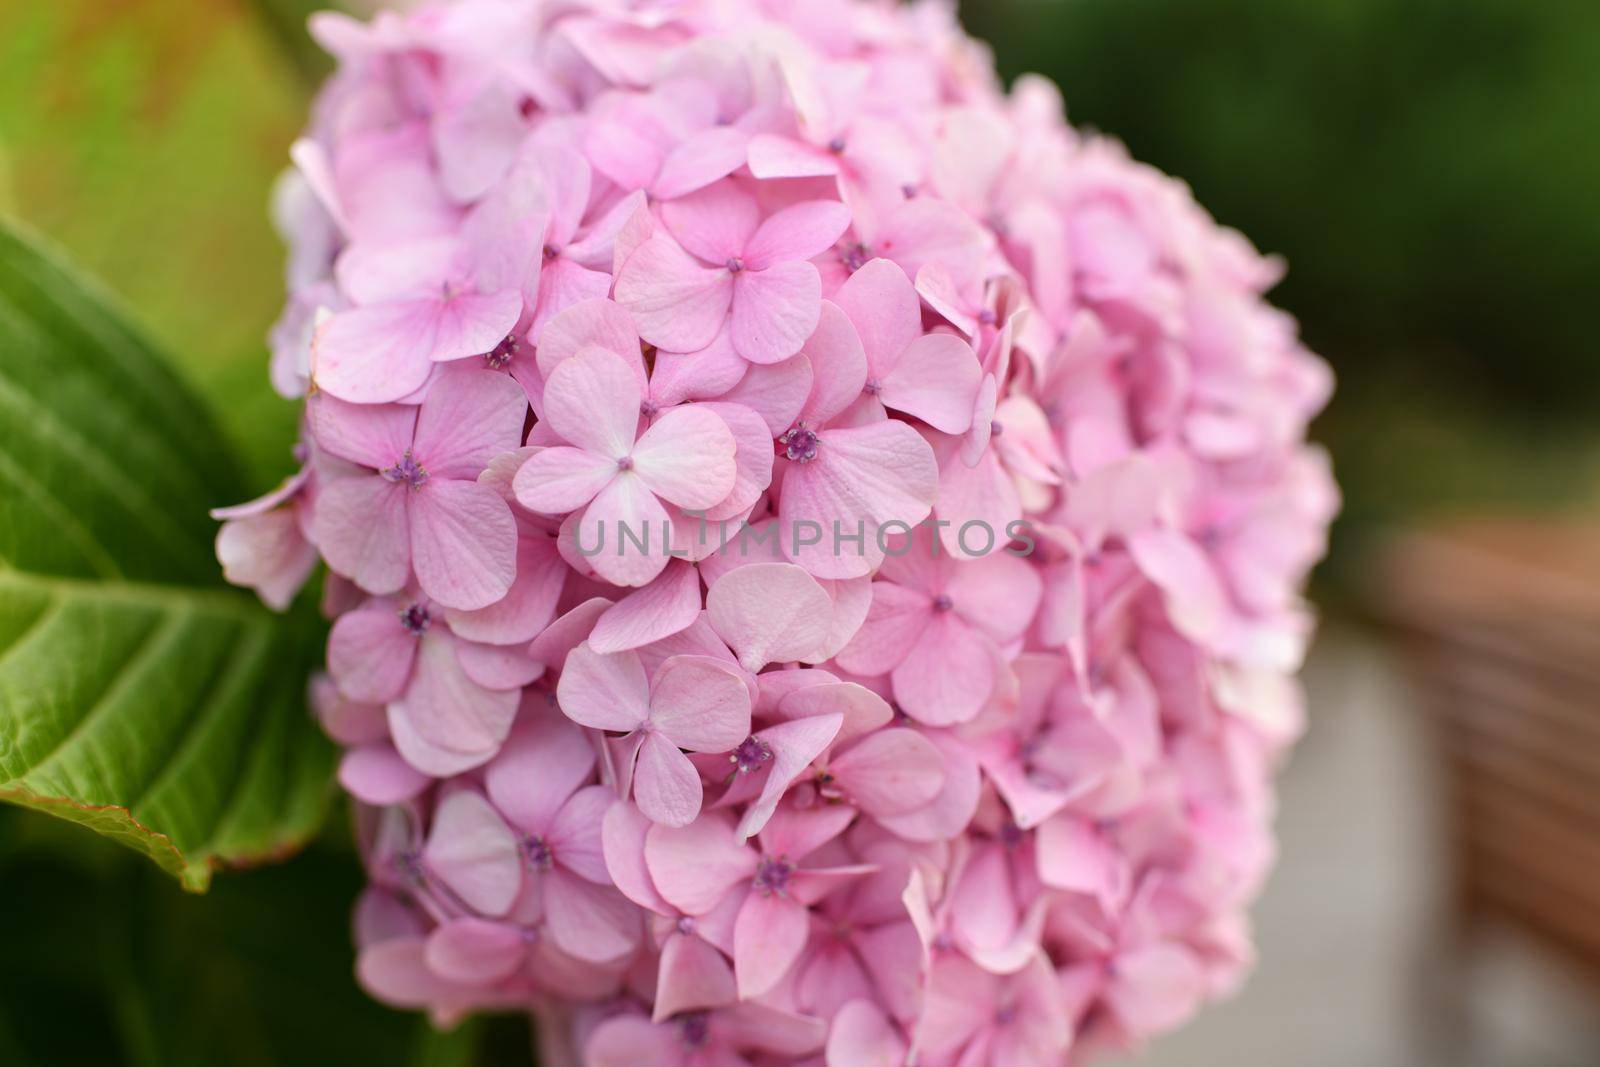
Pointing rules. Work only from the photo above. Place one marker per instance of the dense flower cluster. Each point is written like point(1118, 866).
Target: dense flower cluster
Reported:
point(814, 541)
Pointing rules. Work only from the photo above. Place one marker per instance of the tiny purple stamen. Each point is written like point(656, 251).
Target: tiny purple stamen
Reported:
point(751, 754)
point(551, 251)
point(685, 925)
point(1006, 1016)
point(625, 463)
point(942, 602)
point(409, 863)
point(800, 443)
point(995, 429)
point(873, 387)
point(408, 470)
point(1010, 835)
point(415, 619)
point(856, 257)
point(773, 875)
point(988, 317)
point(537, 853)
point(502, 354)
point(836, 146)
point(908, 191)
point(694, 1028)
point(735, 265)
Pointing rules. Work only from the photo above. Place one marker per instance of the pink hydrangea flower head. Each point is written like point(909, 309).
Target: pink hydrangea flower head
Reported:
point(814, 542)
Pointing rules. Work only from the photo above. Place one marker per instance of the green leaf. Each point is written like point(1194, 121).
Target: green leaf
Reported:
point(139, 696)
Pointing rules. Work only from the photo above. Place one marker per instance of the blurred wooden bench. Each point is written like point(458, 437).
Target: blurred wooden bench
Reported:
point(1499, 621)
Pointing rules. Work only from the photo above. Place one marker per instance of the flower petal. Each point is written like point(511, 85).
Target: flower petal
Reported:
point(463, 543)
point(687, 457)
point(770, 613)
point(604, 692)
point(775, 310)
point(472, 851)
point(468, 419)
point(592, 401)
point(666, 785)
point(700, 704)
point(678, 303)
point(539, 767)
point(799, 231)
point(768, 937)
point(362, 530)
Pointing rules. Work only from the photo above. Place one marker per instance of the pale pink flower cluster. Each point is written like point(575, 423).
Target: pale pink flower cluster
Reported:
point(814, 541)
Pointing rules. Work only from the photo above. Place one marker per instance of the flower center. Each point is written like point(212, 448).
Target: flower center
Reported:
point(836, 146)
point(537, 853)
point(415, 619)
point(800, 443)
point(988, 317)
point(694, 1028)
point(772, 876)
point(408, 470)
point(873, 387)
point(995, 429)
point(502, 353)
point(734, 265)
point(551, 251)
point(1010, 834)
point(1006, 1016)
point(625, 463)
point(856, 257)
point(942, 602)
point(751, 754)
point(409, 863)
point(685, 925)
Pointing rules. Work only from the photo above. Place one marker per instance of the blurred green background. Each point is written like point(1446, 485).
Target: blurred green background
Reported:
point(1429, 168)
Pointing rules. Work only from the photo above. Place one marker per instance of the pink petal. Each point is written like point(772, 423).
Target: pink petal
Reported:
point(890, 772)
point(567, 633)
point(796, 832)
point(448, 711)
point(555, 481)
point(370, 654)
point(753, 459)
point(600, 323)
point(997, 594)
point(361, 528)
point(463, 543)
point(799, 231)
point(710, 372)
point(861, 1036)
point(564, 284)
point(473, 323)
point(677, 303)
point(604, 692)
point(1155, 988)
point(592, 400)
point(949, 813)
point(528, 607)
point(770, 613)
point(631, 1041)
point(700, 704)
point(590, 922)
point(947, 676)
point(666, 785)
point(375, 774)
point(775, 391)
point(768, 937)
point(1195, 599)
point(396, 973)
point(664, 607)
point(794, 746)
point(622, 837)
point(936, 379)
point(575, 834)
point(498, 666)
point(467, 420)
point(472, 851)
point(711, 154)
point(692, 975)
point(772, 156)
point(687, 457)
point(863, 477)
point(373, 435)
point(541, 764)
point(623, 532)
point(838, 366)
point(895, 620)
point(775, 310)
point(475, 951)
point(985, 495)
point(715, 223)
point(863, 711)
point(476, 141)
point(694, 866)
point(378, 353)
point(883, 307)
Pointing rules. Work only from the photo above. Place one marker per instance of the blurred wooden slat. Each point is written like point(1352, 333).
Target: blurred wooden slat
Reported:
point(1499, 621)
